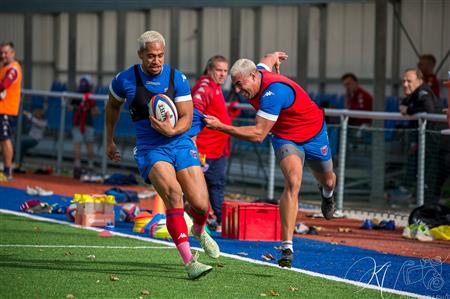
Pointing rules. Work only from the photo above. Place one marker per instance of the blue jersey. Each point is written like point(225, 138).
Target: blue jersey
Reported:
point(123, 88)
point(276, 97)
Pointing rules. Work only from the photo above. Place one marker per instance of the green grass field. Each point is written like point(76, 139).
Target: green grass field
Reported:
point(73, 272)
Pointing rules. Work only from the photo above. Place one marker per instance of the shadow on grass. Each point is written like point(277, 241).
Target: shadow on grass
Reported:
point(109, 267)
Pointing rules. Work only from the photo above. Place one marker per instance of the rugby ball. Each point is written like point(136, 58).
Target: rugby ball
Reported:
point(71, 211)
point(128, 212)
point(160, 105)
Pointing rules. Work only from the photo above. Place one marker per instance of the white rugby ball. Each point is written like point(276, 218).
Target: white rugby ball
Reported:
point(160, 105)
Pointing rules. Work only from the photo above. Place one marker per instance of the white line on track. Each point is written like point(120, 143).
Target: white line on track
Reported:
point(84, 246)
point(237, 257)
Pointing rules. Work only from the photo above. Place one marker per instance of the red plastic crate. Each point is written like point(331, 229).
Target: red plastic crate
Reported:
point(251, 221)
point(228, 208)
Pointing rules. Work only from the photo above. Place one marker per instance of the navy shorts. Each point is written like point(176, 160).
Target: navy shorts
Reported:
point(7, 124)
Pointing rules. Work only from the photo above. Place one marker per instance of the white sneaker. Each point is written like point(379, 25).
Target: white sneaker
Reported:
point(423, 234)
point(31, 191)
point(43, 192)
point(146, 194)
point(95, 178)
point(196, 269)
point(208, 244)
point(410, 231)
point(85, 178)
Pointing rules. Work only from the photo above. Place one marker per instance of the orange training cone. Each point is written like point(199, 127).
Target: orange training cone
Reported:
point(158, 205)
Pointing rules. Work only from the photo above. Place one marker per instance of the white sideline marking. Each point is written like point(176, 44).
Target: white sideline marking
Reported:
point(84, 246)
point(236, 257)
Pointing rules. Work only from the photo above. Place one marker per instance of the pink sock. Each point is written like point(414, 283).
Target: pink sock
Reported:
point(176, 225)
point(199, 220)
point(185, 251)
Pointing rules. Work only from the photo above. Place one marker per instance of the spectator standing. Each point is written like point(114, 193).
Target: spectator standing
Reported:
point(356, 98)
point(213, 145)
point(37, 130)
point(420, 98)
point(10, 89)
point(83, 124)
point(426, 65)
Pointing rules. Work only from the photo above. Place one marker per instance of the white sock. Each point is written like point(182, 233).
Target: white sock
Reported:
point(327, 193)
point(287, 245)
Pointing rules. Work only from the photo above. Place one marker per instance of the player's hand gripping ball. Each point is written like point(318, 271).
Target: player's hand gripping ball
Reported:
point(161, 106)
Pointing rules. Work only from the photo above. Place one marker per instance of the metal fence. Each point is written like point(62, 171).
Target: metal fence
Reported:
point(368, 159)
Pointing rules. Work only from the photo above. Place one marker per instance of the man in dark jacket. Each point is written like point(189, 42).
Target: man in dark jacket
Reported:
point(420, 98)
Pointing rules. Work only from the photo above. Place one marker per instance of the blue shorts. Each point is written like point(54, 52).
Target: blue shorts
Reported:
point(181, 153)
point(317, 148)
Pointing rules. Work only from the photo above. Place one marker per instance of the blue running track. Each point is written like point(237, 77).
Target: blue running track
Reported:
point(419, 276)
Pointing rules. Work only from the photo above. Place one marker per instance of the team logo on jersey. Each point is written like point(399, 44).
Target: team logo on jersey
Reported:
point(193, 154)
point(152, 83)
point(268, 93)
point(324, 150)
point(182, 235)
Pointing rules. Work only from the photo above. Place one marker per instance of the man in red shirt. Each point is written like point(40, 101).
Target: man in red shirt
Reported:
point(10, 80)
point(426, 64)
point(356, 98)
point(209, 100)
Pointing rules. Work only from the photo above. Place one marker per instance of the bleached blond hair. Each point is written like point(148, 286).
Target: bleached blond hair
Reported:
point(150, 37)
point(243, 67)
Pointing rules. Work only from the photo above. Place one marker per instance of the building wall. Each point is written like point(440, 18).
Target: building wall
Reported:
point(350, 38)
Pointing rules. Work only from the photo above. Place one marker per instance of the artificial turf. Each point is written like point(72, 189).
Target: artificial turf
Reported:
point(76, 272)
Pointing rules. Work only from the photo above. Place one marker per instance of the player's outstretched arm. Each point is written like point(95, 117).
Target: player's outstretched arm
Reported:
point(256, 133)
point(274, 59)
point(112, 113)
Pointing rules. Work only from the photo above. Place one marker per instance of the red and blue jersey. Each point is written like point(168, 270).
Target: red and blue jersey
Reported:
point(208, 99)
point(296, 116)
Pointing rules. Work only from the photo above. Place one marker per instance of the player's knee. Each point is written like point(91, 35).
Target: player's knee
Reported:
point(173, 198)
point(200, 207)
point(293, 183)
point(330, 183)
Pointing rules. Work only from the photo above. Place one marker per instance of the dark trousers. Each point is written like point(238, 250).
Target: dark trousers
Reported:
point(26, 144)
point(215, 180)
